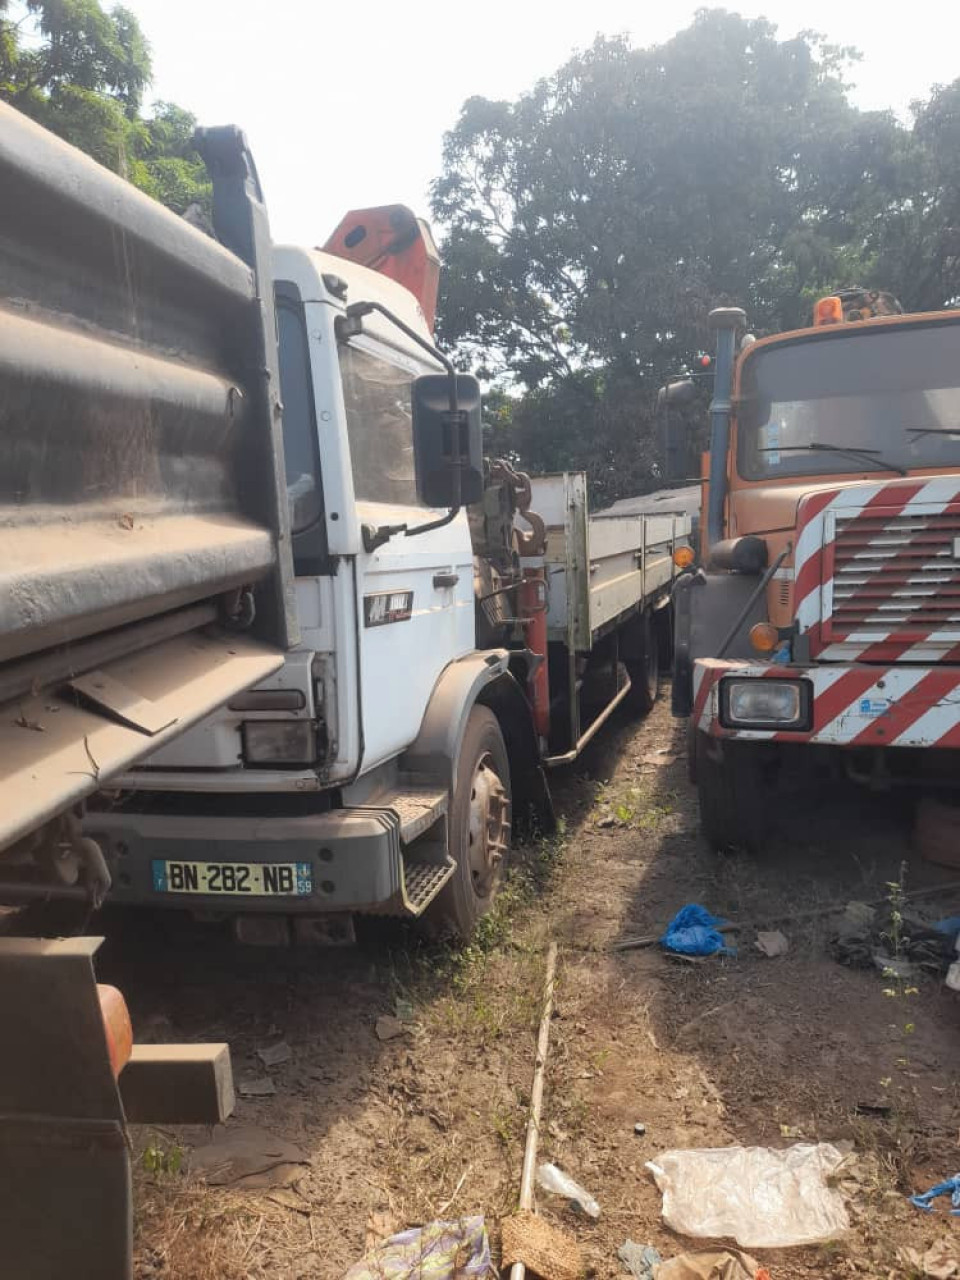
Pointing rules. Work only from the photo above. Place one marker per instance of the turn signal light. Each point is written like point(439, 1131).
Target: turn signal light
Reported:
point(117, 1026)
point(828, 311)
point(683, 557)
point(764, 637)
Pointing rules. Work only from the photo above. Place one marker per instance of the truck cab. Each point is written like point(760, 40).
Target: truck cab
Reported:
point(823, 629)
point(325, 781)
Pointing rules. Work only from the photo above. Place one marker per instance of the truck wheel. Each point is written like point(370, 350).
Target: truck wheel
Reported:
point(479, 827)
point(732, 794)
point(644, 670)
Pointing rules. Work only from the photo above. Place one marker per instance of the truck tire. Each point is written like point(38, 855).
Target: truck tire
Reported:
point(734, 814)
point(644, 669)
point(479, 826)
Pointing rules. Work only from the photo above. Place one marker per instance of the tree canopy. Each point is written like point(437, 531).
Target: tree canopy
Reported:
point(82, 72)
point(591, 224)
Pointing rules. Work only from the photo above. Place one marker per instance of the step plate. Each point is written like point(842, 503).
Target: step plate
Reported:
point(418, 808)
point(422, 881)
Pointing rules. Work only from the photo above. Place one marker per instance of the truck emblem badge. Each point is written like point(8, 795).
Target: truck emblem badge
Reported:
point(387, 606)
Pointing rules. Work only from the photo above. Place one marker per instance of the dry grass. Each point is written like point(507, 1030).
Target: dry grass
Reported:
point(186, 1230)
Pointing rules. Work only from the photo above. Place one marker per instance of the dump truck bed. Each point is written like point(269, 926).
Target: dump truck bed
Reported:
point(141, 467)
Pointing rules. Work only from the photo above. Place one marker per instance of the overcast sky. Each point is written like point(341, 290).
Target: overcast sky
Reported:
point(346, 104)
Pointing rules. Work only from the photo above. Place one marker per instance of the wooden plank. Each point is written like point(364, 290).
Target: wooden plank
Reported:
point(178, 1084)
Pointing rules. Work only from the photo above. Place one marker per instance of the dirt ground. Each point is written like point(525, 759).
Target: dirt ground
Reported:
point(743, 1049)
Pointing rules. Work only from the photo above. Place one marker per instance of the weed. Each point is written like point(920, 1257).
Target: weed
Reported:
point(162, 1160)
point(503, 1125)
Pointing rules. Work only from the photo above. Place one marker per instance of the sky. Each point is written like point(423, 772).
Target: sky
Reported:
point(346, 104)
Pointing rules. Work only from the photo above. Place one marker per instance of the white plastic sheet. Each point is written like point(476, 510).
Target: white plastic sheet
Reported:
point(761, 1198)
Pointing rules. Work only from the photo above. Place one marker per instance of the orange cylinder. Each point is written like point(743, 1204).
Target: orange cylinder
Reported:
point(533, 610)
point(116, 1025)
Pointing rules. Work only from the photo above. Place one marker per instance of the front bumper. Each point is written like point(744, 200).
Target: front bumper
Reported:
point(355, 858)
point(853, 705)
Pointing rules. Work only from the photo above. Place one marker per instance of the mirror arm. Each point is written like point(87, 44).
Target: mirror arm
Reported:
point(373, 538)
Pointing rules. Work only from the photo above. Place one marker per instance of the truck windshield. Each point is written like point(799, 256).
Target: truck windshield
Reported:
point(871, 399)
point(377, 402)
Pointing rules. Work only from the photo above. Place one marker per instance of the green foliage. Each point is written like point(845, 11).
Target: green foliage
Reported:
point(161, 1160)
point(592, 223)
point(81, 72)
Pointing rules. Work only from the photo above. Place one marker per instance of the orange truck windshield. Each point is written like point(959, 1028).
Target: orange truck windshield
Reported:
point(869, 399)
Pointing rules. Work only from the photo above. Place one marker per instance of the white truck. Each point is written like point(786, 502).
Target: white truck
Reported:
point(462, 630)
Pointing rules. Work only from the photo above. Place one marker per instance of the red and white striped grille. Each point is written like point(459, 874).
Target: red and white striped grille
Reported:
point(897, 574)
point(877, 574)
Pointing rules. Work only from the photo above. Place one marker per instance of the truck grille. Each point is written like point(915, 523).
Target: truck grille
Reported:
point(897, 575)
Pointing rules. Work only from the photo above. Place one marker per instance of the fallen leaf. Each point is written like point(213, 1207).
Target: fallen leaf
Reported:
point(940, 1262)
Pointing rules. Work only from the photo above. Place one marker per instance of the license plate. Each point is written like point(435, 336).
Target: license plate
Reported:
point(246, 879)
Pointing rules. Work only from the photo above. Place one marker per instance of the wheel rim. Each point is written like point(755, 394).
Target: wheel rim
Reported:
point(488, 831)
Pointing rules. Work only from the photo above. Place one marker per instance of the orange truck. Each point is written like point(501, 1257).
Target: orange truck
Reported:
point(820, 633)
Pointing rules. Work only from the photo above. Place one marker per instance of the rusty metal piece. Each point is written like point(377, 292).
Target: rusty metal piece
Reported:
point(534, 542)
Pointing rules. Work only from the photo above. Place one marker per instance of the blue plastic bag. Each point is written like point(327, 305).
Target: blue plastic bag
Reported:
point(949, 1188)
point(693, 932)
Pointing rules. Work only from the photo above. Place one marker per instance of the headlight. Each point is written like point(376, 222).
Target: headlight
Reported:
point(279, 742)
point(765, 704)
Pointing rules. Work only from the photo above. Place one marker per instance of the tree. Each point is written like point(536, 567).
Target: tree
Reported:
point(81, 72)
point(593, 223)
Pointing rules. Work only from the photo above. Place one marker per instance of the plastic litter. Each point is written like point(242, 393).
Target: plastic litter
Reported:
point(640, 1260)
point(715, 1265)
point(953, 976)
point(761, 1198)
point(773, 943)
point(442, 1250)
point(273, 1055)
point(262, 1087)
point(693, 932)
point(550, 1178)
point(249, 1157)
point(949, 1188)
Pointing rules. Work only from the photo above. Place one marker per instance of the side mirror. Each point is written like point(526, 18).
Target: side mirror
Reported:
point(447, 446)
point(674, 394)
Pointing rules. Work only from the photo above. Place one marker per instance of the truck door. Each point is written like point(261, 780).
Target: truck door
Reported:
point(415, 594)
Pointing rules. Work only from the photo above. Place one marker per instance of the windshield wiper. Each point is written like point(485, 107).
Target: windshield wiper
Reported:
point(817, 446)
point(933, 431)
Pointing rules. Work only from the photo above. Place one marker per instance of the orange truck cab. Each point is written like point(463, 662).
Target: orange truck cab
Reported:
point(821, 631)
